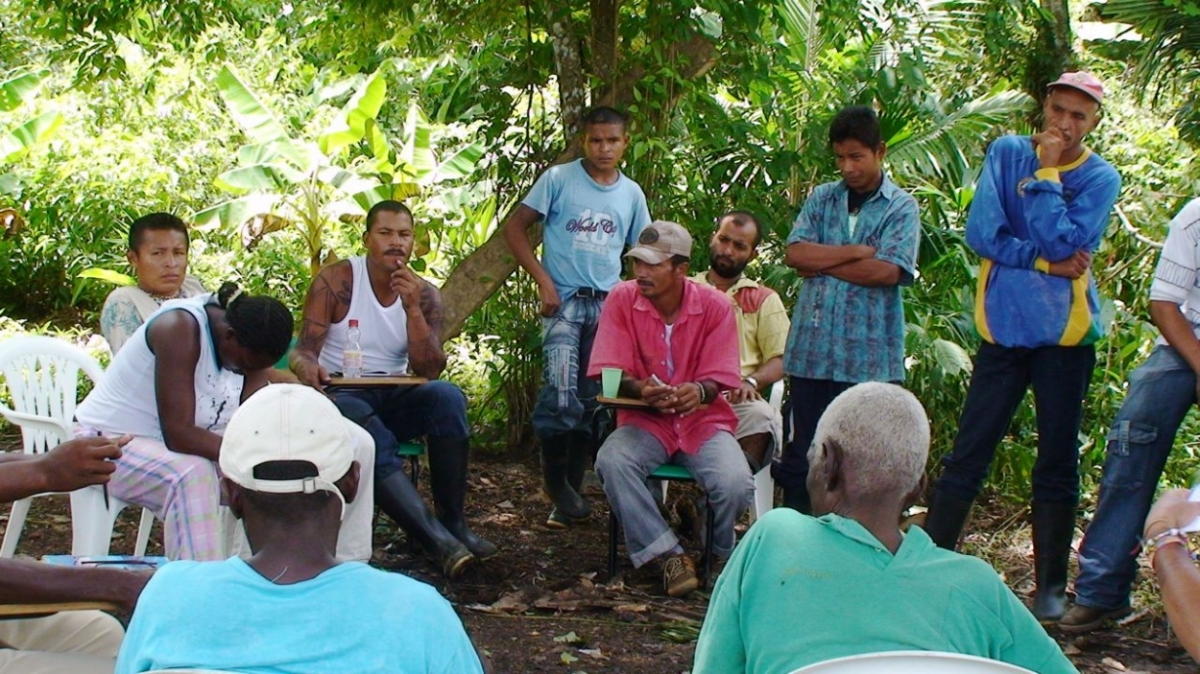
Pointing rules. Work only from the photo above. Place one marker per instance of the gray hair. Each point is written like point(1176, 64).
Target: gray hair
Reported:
point(884, 436)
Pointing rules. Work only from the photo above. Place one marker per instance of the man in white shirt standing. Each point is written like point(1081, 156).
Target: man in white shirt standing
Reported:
point(1161, 391)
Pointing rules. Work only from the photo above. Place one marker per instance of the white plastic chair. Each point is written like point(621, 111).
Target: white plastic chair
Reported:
point(42, 376)
point(912, 662)
point(764, 484)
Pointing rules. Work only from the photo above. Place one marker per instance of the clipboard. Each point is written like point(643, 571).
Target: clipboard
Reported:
point(377, 381)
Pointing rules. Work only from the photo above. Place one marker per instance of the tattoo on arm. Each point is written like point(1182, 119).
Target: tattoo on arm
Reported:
point(431, 308)
point(324, 303)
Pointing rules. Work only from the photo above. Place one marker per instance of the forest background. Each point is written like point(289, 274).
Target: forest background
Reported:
point(273, 125)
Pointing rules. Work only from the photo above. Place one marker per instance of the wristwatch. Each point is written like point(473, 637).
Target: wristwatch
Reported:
point(753, 382)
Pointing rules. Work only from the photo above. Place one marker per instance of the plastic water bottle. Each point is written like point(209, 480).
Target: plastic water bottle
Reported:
point(352, 356)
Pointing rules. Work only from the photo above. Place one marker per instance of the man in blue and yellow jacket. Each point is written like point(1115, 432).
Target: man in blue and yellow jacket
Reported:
point(1040, 208)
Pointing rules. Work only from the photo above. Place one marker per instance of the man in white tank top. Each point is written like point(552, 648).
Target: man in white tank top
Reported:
point(399, 316)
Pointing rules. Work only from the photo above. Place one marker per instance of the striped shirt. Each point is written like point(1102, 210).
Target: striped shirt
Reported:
point(842, 331)
point(1175, 278)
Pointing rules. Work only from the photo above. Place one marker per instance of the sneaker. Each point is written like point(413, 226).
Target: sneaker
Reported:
point(1081, 619)
point(679, 576)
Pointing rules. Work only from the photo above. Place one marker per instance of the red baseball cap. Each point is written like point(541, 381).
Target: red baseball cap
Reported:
point(1082, 81)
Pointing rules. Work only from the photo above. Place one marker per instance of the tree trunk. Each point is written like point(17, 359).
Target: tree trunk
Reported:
point(568, 61)
point(1053, 53)
point(483, 271)
point(605, 17)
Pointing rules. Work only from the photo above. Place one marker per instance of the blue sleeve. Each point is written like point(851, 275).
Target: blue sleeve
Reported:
point(988, 232)
point(807, 228)
point(639, 216)
point(901, 239)
point(543, 193)
point(1059, 229)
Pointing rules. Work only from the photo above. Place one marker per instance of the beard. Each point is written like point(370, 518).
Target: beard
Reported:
point(724, 267)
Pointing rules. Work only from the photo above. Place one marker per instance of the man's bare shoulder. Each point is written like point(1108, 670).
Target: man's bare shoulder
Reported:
point(336, 273)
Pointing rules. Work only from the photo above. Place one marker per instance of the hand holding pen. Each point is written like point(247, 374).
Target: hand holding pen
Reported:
point(81, 462)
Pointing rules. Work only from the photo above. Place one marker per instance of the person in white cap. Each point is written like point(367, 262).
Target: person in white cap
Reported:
point(676, 343)
point(287, 460)
point(1039, 211)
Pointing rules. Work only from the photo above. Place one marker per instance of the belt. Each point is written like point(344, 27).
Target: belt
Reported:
point(591, 292)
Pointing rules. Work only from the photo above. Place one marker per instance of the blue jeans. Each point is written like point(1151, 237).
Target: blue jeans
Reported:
point(629, 454)
point(568, 394)
point(1161, 391)
point(394, 415)
point(1059, 376)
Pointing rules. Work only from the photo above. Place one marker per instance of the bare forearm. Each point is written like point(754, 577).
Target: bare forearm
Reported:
point(768, 373)
point(818, 257)
point(19, 479)
point(516, 234)
point(192, 440)
point(1180, 582)
point(1177, 330)
point(23, 582)
point(870, 273)
point(425, 354)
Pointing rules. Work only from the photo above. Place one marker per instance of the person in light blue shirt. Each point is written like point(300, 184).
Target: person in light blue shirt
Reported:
point(855, 244)
point(591, 212)
point(292, 608)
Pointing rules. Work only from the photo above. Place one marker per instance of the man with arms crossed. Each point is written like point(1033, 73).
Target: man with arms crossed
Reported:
point(1040, 208)
point(855, 243)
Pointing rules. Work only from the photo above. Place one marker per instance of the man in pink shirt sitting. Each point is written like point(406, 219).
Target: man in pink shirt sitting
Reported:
point(676, 343)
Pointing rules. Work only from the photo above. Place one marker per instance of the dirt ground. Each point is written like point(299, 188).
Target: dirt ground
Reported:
point(545, 603)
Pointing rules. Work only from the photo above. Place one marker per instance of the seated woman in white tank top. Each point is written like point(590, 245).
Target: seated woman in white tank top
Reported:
point(173, 387)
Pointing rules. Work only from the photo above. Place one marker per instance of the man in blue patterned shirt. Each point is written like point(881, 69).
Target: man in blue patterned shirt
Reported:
point(855, 243)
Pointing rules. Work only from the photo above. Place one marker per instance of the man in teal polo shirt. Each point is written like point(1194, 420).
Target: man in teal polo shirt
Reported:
point(799, 590)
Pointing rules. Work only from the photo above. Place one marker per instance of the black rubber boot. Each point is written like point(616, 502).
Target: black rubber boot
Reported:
point(1053, 529)
point(556, 453)
point(448, 461)
point(579, 448)
point(945, 519)
point(401, 501)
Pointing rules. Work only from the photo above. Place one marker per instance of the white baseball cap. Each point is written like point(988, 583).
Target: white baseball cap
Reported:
point(288, 439)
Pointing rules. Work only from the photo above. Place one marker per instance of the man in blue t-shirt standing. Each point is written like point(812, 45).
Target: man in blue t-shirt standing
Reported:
point(855, 244)
point(1040, 207)
point(590, 211)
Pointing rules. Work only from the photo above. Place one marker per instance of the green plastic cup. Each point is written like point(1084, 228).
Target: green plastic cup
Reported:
point(610, 381)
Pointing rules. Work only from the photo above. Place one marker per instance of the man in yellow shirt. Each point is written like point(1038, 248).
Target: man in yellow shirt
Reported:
point(762, 333)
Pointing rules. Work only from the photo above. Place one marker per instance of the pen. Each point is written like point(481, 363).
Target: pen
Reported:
point(104, 486)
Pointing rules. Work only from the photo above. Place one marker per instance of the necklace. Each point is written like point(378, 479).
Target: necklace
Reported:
point(163, 298)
